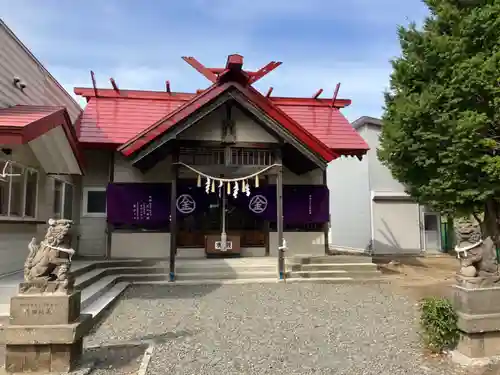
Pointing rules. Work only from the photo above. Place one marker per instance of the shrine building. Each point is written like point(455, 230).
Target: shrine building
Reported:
point(224, 171)
point(168, 173)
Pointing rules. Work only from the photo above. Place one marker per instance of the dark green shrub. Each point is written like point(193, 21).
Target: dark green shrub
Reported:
point(438, 321)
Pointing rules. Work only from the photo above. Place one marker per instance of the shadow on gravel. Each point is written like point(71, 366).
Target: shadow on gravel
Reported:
point(120, 359)
point(167, 336)
point(400, 260)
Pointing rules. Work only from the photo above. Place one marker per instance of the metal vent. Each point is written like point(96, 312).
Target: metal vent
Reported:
point(202, 156)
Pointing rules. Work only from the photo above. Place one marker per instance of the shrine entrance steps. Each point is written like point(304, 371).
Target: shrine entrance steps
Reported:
point(331, 268)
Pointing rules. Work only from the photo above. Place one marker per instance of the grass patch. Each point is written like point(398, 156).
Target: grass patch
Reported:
point(438, 321)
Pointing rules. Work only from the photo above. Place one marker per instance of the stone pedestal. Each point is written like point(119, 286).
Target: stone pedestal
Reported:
point(478, 312)
point(45, 330)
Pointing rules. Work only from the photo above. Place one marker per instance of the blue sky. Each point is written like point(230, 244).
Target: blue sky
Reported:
point(139, 43)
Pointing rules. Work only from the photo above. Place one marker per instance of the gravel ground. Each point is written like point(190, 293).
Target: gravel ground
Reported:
point(272, 329)
point(114, 359)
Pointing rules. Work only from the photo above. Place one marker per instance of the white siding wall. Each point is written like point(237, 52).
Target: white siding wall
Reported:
point(15, 235)
point(396, 227)
point(93, 229)
point(125, 172)
point(380, 176)
point(299, 243)
point(354, 216)
point(41, 87)
point(349, 203)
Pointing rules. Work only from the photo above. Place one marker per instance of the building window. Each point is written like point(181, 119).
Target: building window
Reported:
point(94, 201)
point(68, 201)
point(18, 192)
point(63, 200)
point(31, 194)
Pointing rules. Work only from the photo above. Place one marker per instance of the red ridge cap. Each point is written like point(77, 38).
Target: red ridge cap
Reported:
point(132, 94)
point(185, 96)
point(309, 102)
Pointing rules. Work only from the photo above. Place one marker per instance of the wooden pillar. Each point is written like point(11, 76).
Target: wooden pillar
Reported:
point(109, 227)
point(173, 215)
point(279, 215)
point(267, 227)
point(326, 226)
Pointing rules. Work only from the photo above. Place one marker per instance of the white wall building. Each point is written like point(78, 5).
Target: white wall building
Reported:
point(370, 210)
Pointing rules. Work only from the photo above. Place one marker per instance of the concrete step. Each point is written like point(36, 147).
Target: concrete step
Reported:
point(331, 259)
point(329, 280)
point(194, 277)
point(332, 266)
point(335, 280)
point(97, 308)
point(209, 281)
point(226, 275)
point(94, 291)
point(224, 269)
point(333, 273)
point(88, 278)
point(83, 267)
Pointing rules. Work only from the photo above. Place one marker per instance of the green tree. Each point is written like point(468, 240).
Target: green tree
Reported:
point(441, 125)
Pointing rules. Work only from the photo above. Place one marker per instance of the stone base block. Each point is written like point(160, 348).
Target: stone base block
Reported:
point(43, 358)
point(45, 334)
point(45, 286)
point(485, 281)
point(44, 309)
point(477, 301)
point(479, 345)
point(478, 323)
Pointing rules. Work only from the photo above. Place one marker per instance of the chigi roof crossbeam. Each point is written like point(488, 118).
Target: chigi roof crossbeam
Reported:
point(234, 65)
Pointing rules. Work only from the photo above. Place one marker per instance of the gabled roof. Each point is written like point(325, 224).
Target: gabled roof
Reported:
point(133, 118)
point(23, 124)
point(214, 91)
point(115, 119)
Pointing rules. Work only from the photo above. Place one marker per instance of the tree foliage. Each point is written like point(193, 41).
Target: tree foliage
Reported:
point(441, 125)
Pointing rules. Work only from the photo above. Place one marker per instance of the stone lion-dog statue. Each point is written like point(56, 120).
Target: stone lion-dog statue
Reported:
point(50, 260)
point(478, 257)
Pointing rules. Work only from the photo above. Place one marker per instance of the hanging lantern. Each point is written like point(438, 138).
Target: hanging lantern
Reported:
point(198, 181)
point(213, 186)
point(257, 181)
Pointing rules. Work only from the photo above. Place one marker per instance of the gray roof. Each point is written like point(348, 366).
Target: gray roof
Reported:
point(366, 120)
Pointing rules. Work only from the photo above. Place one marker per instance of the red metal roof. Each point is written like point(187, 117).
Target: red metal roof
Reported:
point(135, 118)
point(115, 121)
point(23, 123)
point(117, 118)
point(329, 125)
